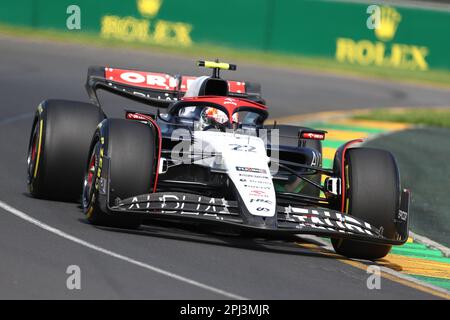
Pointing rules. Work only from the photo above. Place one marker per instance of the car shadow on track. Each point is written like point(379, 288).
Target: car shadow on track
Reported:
point(204, 234)
point(221, 236)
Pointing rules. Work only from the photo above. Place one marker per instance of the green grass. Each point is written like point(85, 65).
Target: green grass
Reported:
point(432, 117)
point(210, 51)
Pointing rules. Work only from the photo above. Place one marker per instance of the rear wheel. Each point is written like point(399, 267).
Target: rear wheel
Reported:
point(372, 194)
point(131, 149)
point(58, 148)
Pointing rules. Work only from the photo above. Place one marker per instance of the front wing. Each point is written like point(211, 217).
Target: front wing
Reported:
point(290, 220)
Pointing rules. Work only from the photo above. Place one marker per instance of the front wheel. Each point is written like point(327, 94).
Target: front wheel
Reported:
point(131, 149)
point(372, 193)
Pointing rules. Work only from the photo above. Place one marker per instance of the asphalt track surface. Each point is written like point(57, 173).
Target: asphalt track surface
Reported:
point(39, 239)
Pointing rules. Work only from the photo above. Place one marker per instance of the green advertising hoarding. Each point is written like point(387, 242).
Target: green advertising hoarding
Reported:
point(18, 12)
point(408, 38)
point(168, 22)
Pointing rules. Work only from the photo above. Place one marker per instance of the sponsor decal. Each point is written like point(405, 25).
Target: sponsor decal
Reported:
point(313, 135)
point(265, 201)
point(147, 28)
point(182, 204)
point(151, 80)
point(256, 187)
point(230, 101)
point(253, 176)
point(260, 182)
point(402, 215)
point(258, 193)
point(236, 87)
point(135, 116)
point(316, 159)
point(327, 220)
point(220, 209)
point(253, 170)
point(384, 52)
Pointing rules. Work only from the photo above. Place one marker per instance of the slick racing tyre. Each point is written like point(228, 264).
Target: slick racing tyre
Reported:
point(58, 148)
point(131, 149)
point(372, 193)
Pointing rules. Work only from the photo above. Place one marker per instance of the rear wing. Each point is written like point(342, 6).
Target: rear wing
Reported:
point(155, 89)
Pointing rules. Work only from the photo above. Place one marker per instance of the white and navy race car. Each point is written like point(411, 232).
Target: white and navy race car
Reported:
point(204, 153)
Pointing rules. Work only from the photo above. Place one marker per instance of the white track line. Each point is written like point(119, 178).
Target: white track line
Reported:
point(89, 245)
point(430, 243)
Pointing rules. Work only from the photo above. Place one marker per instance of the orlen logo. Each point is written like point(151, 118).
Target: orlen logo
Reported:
point(135, 116)
point(257, 193)
point(142, 79)
point(230, 101)
point(313, 136)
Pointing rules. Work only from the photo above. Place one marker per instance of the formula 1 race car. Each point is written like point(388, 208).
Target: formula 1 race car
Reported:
point(204, 153)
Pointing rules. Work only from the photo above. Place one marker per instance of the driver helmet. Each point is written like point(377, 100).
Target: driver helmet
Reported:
point(213, 115)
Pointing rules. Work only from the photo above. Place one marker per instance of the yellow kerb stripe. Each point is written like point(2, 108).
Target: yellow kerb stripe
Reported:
point(417, 266)
point(345, 135)
point(392, 126)
point(328, 153)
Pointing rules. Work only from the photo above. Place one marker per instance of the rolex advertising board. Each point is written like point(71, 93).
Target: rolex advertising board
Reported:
point(408, 38)
point(405, 38)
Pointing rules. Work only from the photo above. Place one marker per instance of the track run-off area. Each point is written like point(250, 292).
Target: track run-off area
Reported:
point(40, 239)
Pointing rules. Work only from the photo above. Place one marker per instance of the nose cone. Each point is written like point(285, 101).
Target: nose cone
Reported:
point(254, 220)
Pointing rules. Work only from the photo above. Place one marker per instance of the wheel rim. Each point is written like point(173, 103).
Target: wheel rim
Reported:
point(90, 178)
